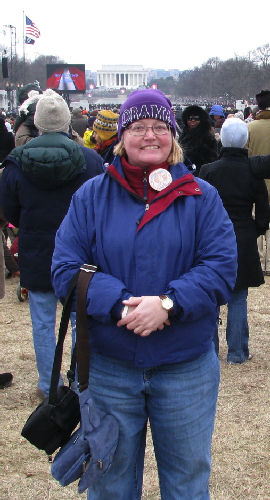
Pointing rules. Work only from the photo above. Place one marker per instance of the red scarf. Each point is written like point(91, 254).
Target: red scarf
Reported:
point(99, 148)
point(135, 175)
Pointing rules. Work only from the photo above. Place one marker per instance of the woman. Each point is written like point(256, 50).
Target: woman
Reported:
point(240, 192)
point(167, 258)
point(197, 139)
point(24, 127)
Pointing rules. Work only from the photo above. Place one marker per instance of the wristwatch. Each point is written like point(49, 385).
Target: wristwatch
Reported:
point(167, 304)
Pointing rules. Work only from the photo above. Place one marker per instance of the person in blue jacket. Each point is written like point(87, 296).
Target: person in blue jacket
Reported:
point(38, 181)
point(166, 255)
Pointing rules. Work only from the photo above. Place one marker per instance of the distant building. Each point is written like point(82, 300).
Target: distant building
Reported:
point(90, 76)
point(155, 74)
point(117, 76)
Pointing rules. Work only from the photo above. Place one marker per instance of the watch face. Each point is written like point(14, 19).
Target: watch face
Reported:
point(167, 303)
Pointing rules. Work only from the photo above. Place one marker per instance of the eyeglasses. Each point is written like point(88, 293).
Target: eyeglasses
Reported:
point(194, 118)
point(140, 129)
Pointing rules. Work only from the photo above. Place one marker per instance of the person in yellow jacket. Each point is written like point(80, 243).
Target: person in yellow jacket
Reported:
point(88, 138)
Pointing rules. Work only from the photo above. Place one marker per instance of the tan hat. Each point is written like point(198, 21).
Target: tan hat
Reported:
point(52, 113)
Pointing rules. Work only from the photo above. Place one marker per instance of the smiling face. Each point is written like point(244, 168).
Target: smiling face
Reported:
point(148, 149)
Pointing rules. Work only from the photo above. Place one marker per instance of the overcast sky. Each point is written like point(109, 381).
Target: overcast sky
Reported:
point(155, 34)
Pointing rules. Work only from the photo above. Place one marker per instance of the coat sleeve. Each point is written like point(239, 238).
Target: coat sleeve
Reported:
point(94, 162)
point(262, 213)
point(211, 279)
point(260, 166)
point(9, 198)
point(203, 171)
point(75, 244)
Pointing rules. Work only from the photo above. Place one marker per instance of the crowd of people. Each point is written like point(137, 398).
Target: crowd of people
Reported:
point(168, 204)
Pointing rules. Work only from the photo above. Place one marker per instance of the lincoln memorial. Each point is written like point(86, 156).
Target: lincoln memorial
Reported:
point(119, 76)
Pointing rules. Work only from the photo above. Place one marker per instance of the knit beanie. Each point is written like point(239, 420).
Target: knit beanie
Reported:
point(263, 99)
point(234, 133)
point(105, 124)
point(52, 113)
point(146, 103)
point(217, 110)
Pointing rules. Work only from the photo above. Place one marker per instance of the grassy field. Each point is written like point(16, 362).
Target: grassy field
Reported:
point(241, 445)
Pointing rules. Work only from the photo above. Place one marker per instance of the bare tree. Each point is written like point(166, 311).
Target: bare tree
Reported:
point(261, 55)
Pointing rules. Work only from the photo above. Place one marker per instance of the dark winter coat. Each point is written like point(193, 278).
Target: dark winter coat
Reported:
point(7, 142)
point(239, 190)
point(36, 187)
point(260, 166)
point(199, 144)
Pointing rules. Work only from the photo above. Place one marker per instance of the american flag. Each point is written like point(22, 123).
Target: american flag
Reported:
point(31, 29)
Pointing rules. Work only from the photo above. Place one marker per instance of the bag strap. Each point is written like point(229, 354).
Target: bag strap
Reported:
point(87, 272)
point(72, 368)
point(81, 279)
point(61, 337)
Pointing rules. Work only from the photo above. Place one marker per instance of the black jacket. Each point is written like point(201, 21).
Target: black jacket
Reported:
point(240, 190)
point(7, 142)
point(199, 144)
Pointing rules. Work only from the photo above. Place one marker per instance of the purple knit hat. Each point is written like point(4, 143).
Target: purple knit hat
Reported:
point(146, 103)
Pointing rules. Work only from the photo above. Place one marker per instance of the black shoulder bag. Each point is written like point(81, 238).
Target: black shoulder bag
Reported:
point(89, 453)
point(52, 423)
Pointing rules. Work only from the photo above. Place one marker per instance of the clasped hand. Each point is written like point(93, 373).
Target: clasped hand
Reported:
point(145, 315)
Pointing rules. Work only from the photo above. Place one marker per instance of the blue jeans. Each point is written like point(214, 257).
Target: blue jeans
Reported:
point(179, 400)
point(43, 315)
point(237, 331)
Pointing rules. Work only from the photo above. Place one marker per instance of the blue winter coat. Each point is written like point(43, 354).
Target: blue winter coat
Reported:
point(36, 187)
point(182, 244)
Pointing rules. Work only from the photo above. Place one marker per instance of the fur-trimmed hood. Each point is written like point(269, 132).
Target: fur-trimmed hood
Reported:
point(205, 122)
point(26, 113)
point(33, 98)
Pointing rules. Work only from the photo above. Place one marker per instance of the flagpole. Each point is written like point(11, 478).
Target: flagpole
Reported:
point(23, 49)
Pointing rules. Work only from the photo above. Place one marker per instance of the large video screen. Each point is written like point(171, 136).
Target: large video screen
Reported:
point(66, 77)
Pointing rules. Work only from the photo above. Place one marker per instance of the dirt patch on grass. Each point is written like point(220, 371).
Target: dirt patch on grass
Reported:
point(241, 445)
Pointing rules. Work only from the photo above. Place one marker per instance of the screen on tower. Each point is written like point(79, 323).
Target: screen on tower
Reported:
point(66, 77)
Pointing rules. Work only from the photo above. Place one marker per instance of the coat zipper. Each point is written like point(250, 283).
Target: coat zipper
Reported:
point(145, 190)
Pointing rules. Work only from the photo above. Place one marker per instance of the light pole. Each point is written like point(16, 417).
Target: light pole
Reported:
point(13, 48)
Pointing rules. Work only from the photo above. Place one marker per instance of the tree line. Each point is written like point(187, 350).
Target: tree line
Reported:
point(21, 72)
point(235, 78)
